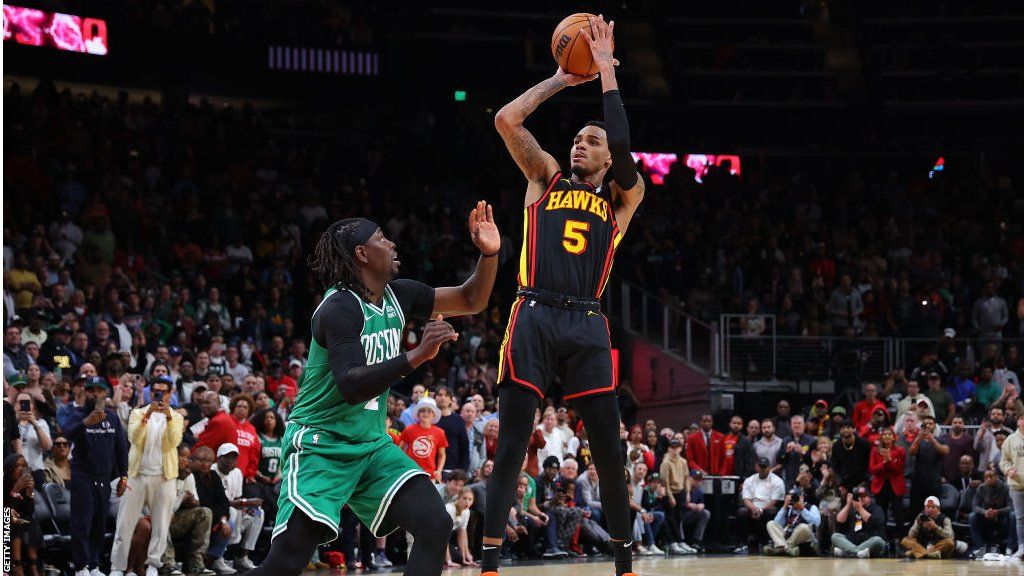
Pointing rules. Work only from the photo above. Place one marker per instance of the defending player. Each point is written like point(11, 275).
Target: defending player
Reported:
point(336, 449)
point(573, 224)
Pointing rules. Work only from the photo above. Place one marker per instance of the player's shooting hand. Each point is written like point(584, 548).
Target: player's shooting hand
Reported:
point(482, 229)
point(435, 334)
point(573, 79)
point(600, 38)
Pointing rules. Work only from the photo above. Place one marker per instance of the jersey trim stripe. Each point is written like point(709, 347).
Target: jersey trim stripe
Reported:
point(395, 303)
point(609, 259)
point(293, 480)
point(525, 245)
point(615, 380)
point(506, 351)
point(533, 245)
point(385, 503)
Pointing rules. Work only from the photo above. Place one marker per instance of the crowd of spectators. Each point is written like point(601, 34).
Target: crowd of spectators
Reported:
point(155, 306)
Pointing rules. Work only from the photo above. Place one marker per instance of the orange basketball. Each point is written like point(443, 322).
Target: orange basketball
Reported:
point(570, 51)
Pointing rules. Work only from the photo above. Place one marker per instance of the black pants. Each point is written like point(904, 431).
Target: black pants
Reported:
point(888, 499)
point(367, 543)
point(90, 506)
point(674, 518)
point(600, 415)
point(752, 530)
point(416, 508)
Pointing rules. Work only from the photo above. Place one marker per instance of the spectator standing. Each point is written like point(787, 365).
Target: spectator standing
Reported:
point(475, 439)
point(927, 452)
point(675, 473)
point(860, 527)
point(705, 448)
point(247, 441)
point(960, 444)
point(457, 453)
point(781, 419)
point(738, 457)
point(913, 398)
point(154, 433)
point(189, 518)
point(887, 482)
point(942, 401)
point(769, 445)
point(794, 449)
point(990, 314)
point(845, 307)
point(931, 534)
point(35, 436)
point(424, 442)
point(863, 410)
point(267, 487)
point(556, 442)
point(985, 439)
point(100, 455)
point(850, 457)
point(1011, 464)
point(218, 428)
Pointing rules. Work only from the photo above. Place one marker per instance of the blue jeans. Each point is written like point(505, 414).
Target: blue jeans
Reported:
point(651, 530)
point(985, 532)
point(219, 542)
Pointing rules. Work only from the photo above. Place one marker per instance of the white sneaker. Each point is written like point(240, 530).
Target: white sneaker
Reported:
point(1019, 553)
point(220, 566)
point(242, 563)
point(96, 572)
point(838, 552)
point(686, 548)
point(655, 551)
point(82, 572)
point(152, 571)
point(644, 550)
point(865, 553)
point(116, 573)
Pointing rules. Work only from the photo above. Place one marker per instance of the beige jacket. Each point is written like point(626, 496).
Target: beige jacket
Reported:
point(674, 472)
point(1013, 458)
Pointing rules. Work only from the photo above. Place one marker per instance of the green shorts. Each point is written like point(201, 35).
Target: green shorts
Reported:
point(322, 472)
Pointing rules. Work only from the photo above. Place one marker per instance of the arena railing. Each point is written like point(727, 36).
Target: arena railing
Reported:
point(663, 322)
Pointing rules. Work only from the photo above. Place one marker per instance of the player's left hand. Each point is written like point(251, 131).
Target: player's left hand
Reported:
point(600, 39)
point(482, 229)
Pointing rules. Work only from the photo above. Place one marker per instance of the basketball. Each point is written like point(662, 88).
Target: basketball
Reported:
point(569, 50)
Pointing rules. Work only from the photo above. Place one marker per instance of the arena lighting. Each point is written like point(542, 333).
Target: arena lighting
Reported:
point(32, 27)
point(323, 60)
point(658, 164)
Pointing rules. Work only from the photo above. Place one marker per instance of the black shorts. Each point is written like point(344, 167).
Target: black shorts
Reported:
point(542, 338)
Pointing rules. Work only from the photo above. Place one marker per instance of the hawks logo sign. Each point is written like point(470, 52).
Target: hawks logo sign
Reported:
point(423, 447)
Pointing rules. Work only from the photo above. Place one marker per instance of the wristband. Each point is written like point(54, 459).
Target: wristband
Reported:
point(498, 251)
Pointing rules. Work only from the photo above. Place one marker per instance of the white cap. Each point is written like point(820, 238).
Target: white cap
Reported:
point(295, 362)
point(428, 403)
point(931, 499)
point(226, 448)
point(949, 333)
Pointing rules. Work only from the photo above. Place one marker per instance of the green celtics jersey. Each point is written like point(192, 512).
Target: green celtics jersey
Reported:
point(270, 456)
point(319, 404)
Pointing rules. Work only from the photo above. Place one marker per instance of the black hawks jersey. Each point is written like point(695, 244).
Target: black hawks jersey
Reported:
point(569, 239)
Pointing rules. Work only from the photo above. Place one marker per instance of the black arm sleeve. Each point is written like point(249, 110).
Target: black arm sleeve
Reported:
point(415, 298)
point(337, 326)
point(617, 127)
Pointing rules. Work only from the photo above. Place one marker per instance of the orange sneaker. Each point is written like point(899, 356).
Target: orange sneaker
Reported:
point(488, 574)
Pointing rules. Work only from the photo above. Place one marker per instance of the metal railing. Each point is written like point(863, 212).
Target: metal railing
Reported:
point(663, 322)
point(752, 350)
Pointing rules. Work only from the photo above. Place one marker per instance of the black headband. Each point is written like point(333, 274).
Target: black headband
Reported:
point(360, 233)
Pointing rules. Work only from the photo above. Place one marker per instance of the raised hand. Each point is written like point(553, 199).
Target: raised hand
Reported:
point(483, 230)
point(600, 38)
point(435, 334)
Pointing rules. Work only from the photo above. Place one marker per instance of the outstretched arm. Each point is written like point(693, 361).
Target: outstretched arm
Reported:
point(474, 293)
point(537, 165)
point(627, 185)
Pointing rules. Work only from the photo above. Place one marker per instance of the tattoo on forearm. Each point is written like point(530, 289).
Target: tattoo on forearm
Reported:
point(533, 97)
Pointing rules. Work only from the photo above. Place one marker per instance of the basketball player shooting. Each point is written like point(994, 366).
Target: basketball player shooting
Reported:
point(336, 448)
point(573, 224)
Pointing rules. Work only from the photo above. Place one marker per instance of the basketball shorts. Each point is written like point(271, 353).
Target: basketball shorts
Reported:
point(322, 472)
point(545, 335)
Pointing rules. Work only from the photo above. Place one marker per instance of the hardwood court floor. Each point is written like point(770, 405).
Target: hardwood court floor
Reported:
point(762, 566)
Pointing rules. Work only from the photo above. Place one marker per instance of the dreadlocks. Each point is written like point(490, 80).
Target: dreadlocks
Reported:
point(333, 263)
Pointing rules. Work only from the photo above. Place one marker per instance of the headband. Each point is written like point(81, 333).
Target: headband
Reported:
point(360, 233)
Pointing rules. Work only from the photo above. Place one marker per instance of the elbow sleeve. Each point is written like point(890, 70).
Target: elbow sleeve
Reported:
point(623, 169)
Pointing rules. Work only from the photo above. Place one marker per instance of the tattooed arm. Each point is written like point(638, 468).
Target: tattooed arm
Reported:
point(537, 165)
